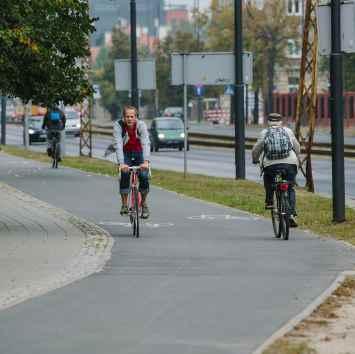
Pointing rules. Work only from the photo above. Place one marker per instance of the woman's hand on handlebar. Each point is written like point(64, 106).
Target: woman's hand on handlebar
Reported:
point(145, 165)
point(123, 167)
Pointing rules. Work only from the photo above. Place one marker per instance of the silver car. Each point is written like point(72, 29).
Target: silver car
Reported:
point(72, 125)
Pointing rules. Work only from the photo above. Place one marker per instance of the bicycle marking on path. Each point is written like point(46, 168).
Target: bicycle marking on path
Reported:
point(150, 225)
point(207, 217)
point(158, 225)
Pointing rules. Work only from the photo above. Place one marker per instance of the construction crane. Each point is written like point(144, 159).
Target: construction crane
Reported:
point(307, 93)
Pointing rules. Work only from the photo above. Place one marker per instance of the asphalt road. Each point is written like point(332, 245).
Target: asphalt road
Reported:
point(208, 161)
point(202, 279)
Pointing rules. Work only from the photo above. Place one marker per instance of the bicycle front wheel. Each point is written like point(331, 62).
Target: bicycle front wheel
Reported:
point(275, 215)
point(132, 212)
point(136, 212)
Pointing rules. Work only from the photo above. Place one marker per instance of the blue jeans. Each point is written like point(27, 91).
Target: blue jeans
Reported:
point(134, 159)
point(290, 175)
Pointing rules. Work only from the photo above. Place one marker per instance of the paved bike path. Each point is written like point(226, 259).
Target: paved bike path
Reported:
point(192, 284)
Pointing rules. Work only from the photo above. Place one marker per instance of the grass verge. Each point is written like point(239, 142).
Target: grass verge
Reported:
point(305, 336)
point(283, 346)
point(315, 212)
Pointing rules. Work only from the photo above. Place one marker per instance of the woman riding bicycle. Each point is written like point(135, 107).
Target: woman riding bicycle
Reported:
point(278, 149)
point(132, 149)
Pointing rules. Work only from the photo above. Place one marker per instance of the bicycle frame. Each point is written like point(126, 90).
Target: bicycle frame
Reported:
point(134, 200)
point(134, 184)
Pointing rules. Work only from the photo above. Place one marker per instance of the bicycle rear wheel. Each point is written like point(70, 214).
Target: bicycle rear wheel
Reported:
point(284, 216)
point(136, 212)
point(275, 215)
point(54, 154)
point(57, 154)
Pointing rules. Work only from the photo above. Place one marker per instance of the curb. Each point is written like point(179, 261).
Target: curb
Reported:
point(290, 325)
point(91, 259)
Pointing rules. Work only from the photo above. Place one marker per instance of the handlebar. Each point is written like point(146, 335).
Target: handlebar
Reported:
point(134, 168)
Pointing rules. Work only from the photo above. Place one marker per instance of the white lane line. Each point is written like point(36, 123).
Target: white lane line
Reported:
point(222, 217)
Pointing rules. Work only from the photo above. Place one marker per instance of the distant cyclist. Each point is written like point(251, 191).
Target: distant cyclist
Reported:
point(53, 121)
point(278, 149)
point(132, 149)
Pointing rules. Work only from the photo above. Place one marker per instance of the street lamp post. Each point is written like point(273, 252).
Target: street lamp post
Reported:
point(337, 123)
point(3, 120)
point(134, 56)
point(239, 123)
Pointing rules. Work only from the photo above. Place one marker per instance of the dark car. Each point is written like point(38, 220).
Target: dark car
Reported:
point(167, 132)
point(35, 131)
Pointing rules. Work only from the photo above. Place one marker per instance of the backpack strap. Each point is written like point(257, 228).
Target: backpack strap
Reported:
point(123, 129)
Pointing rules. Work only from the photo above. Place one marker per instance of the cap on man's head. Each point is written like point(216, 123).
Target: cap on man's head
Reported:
point(274, 117)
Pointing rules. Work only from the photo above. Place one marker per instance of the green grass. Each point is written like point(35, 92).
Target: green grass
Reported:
point(315, 212)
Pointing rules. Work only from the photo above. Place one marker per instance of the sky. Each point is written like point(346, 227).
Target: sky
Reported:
point(203, 3)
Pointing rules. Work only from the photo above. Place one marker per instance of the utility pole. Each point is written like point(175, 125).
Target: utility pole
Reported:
point(134, 55)
point(184, 59)
point(239, 123)
point(3, 120)
point(337, 123)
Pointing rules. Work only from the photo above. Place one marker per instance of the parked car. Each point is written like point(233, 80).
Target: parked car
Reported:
point(72, 125)
point(173, 112)
point(167, 132)
point(35, 131)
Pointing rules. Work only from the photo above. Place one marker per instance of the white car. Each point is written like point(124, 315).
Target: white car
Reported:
point(72, 125)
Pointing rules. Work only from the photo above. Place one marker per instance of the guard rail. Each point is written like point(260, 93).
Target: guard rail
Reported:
point(224, 141)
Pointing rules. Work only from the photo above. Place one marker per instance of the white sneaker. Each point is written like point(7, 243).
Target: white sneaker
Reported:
point(293, 221)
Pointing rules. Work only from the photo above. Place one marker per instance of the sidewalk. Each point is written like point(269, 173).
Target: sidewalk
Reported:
point(43, 248)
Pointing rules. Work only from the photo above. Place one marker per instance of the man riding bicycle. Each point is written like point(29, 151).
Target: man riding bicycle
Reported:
point(132, 149)
point(278, 149)
point(53, 121)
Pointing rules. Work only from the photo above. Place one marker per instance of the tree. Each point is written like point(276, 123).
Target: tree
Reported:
point(349, 70)
point(268, 31)
point(105, 76)
point(104, 71)
point(221, 27)
point(101, 58)
point(42, 43)
point(176, 42)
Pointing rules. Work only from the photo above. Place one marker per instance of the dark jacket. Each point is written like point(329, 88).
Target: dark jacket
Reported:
point(50, 124)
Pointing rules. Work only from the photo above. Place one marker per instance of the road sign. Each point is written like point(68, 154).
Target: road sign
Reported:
point(229, 90)
point(97, 93)
point(347, 24)
point(146, 74)
point(216, 68)
point(199, 90)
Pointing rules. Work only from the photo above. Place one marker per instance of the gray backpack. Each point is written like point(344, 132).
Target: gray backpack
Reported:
point(277, 144)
